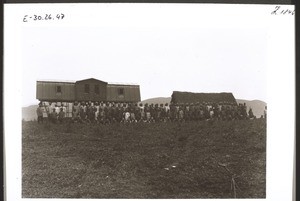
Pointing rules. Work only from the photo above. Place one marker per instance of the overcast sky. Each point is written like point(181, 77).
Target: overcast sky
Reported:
point(161, 59)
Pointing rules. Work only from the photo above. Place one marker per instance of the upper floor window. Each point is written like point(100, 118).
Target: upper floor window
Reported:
point(121, 91)
point(86, 88)
point(58, 89)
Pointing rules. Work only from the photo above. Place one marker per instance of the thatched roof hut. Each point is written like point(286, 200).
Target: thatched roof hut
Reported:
point(189, 97)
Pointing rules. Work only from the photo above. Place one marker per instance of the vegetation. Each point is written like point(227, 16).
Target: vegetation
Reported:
point(223, 159)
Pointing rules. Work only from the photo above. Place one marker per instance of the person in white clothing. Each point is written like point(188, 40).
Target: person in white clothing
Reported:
point(97, 110)
point(51, 107)
point(64, 109)
point(57, 109)
point(45, 114)
point(127, 116)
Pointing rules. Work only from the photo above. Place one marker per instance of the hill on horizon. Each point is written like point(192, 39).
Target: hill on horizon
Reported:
point(158, 100)
point(29, 113)
point(257, 106)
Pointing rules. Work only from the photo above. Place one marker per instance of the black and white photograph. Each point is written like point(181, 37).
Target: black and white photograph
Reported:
point(150, 101)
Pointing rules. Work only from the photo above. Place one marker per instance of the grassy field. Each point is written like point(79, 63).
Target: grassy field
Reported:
point(163, 160)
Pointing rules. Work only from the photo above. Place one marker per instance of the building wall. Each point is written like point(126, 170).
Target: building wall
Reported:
point(131, 93)
point(69, 92)
point(48, 91)
point(82, 95)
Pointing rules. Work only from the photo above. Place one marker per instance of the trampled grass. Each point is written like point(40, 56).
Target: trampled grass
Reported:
point(162, 160)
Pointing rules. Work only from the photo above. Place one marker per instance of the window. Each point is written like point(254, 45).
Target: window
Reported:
point(96, 89)
point(121, 91)
point(58, 89)
point(86, 88)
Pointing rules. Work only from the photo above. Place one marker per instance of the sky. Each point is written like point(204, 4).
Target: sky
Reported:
point(160, 58)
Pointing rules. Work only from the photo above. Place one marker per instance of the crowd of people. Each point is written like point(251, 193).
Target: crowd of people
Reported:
point(110, 112)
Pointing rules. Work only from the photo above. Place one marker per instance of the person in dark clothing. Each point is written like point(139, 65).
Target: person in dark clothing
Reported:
point(39, 113)
point(250, 113)
point(265, 112)
point(53, 116)
point(61, 116)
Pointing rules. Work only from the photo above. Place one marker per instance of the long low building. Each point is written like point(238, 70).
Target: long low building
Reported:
point(86, 90)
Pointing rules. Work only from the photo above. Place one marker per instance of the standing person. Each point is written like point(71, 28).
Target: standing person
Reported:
point(250, 113)
point(53, 116)
point(91, 112)
point(167, 112)
point(201, 112)
point(57, 109)
point(132, 115)
point(155, 112)
point(97, 111)
point(206, 112)
point(147, 112)
point(101, 115)
point(176, 111)
point(61, 115)
point(107, 113)
point(75, 110)
point(51, 107)
point(126, 115)
point(39, 113)
point(265, 112)
point(142, 112)
point(211, 113)
point(195, 111)
point(244, 111)
point(47, 109)
point(163, 114)
point(81, 112)
point(101, 105)
point(181, 114)
point(63, 106)
point(186, 110)
point(137, 112)
point(85, 107)
point(235, 111)
point(151, 110)
point(113, 112)
point(45, 115)
point(192, 111)
point(172, 112)
point(118, 113)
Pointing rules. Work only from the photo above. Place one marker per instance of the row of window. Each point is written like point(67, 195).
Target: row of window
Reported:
point(96, 89)
point(87, 89)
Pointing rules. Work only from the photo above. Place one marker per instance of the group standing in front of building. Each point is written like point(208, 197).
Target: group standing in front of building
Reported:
point(95, 101)
point(110, 112)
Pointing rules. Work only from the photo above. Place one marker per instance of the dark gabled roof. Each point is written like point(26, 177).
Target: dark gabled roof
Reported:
point(189, 97)
point(90, 79)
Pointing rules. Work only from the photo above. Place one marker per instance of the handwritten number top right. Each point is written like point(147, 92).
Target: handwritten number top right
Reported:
point(280, 11)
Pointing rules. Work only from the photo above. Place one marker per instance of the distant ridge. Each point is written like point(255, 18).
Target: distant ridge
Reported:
point(159, 100)
point(257, 106)
point(29, 113)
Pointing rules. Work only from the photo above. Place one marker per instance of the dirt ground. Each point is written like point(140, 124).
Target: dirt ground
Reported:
point(221, 159)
